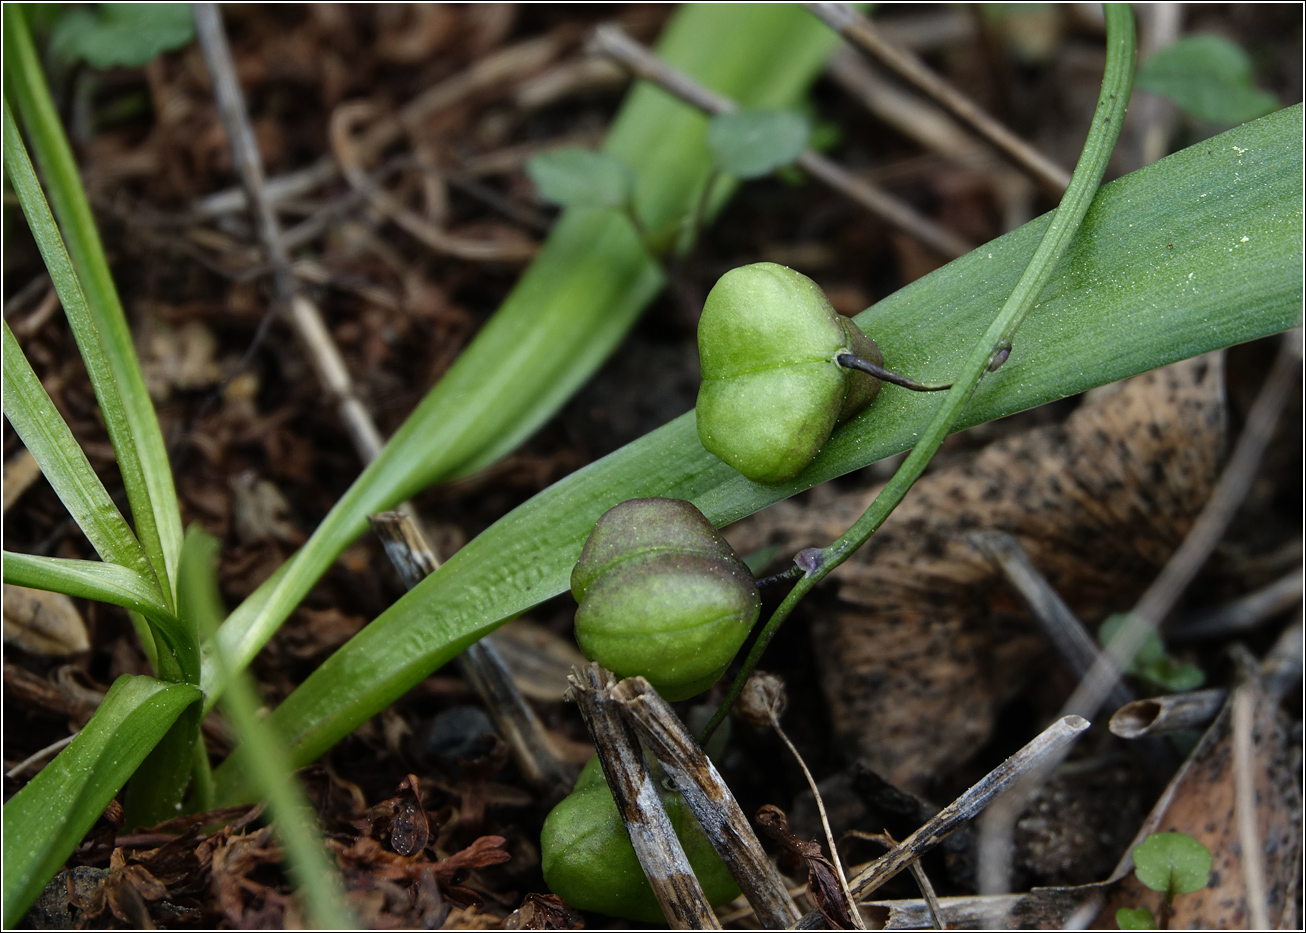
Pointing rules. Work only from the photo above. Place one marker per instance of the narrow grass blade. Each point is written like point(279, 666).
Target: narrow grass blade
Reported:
point(47, 436)
point(1199, 251)
point(578, 298)
point(84, 327)
point(154, 509)
point(44, 822)
point(113, 584)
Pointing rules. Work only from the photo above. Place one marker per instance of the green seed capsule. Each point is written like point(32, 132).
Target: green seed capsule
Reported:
point(662, 596)
point(772, 392)
point(588, 860)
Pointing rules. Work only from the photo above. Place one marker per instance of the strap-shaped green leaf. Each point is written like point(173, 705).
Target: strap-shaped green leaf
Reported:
point(44, 822)
point(51, 443)
point(109, 583)
point(142, 455)
point(1199, 251)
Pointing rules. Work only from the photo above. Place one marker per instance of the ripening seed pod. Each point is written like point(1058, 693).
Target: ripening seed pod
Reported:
point(588, 861)
point(663, 596)
point(772, 390)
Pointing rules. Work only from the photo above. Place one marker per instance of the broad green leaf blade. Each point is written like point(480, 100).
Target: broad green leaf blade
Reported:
point(44, 822)
point(580, 178)
point(122, 34)
point(1209, 77)
point(158, 787)
point(157, 518)
point(575, 302)
point(109, 583)
point(1160, 272)
point(1172, 863)
point(33, 415)
point(753, 143)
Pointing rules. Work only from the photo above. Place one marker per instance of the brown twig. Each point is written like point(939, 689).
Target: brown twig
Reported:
point(1068, 635)
point(1049, 745)
point(931, 899)
point(1171, 713)
point(481, 664)
point(304, 315)
point(492, 71)
point(349, 156)
point(859, 30)
point(633, 788)
point(710, 799)
point(611, 41)
point(1243, 614)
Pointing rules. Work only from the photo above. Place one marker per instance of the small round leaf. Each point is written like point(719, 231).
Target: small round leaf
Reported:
point(1172, 863)
point(753, 143)
point(1209, 77)
point(1135, 918)
point(580, 178)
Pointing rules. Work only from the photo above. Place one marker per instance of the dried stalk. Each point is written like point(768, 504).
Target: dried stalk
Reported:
point(482, 665)
point(1243, 614)
point(1159, 715)
point(858, 29)
point(1068, 635)
point(611, 41)
point(1244, 777)
point(493, 71)
point(1048, 745)
point(633, 788)
point(710, 799)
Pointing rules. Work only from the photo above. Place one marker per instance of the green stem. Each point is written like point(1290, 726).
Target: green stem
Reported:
point(1112, 101)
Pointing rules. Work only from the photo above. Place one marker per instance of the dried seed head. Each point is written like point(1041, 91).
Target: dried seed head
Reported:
point(762, 700)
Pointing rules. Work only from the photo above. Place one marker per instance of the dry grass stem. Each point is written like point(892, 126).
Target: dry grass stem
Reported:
point(1049, 745)
point(1249, 837)
point(710, 799)
point(659, 851)
point(859, 30)
point(1244, 614)
point(1171, 713)
point(493, 72)
point(611, 41)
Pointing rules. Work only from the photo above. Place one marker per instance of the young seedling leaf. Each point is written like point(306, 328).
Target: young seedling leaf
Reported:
point(121, 34)
point(45, 821)
point(1172, 863)
point(1174, 676)
point(1209, 77)
point(580, 178)
point(1135, 918)
point(753, 143)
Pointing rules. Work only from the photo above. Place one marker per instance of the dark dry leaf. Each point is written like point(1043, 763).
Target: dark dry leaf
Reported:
point(543, 912)
point(411, 829)
point(930, 642)
point(823, 886)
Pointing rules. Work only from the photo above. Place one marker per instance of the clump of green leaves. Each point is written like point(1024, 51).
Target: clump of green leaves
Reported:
point(121, 35)
point(1152, 663)
point(745, 144)
point(1172, 863)
point(1209, 77)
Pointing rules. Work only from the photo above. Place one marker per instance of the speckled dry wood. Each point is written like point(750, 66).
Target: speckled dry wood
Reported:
point(927, 641)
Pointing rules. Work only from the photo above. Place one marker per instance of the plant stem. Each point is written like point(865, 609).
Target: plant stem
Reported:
point(1116, 85)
